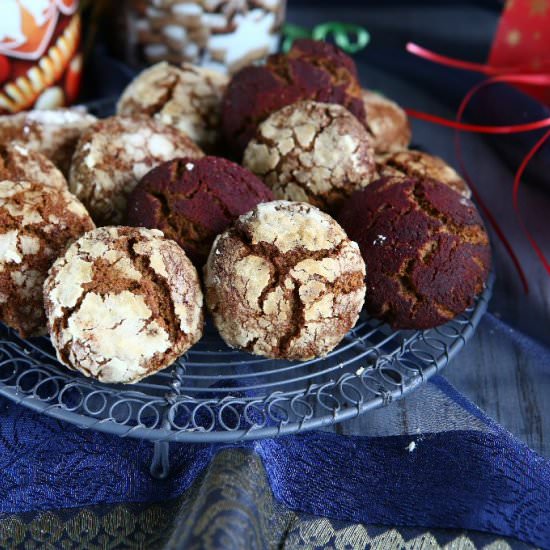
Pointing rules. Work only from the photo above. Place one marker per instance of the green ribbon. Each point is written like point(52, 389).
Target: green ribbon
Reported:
point(347, 36)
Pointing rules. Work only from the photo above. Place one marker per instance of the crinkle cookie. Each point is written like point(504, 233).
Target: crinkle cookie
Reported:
point(387, 123)
point(311, 70)
point(193, 201)
point(37, 223)
point(123, 303)
point(52, 133)
point(312, 152)
point(425, 246)
point(114, 154)
point(187, 97)
point(285, 282)
point(18, 163)
point(418, 164)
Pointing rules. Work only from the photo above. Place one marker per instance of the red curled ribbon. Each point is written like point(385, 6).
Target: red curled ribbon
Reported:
point(419, 51)
point(509, 75)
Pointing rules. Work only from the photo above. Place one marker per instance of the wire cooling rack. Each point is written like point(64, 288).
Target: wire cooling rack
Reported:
point(216, 394)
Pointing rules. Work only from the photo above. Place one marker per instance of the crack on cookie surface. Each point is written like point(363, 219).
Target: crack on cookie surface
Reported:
point(297, 324)
point(159, 299)
point(472, 234)
point(167, 96)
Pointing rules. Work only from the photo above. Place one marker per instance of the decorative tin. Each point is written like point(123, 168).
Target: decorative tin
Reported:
point(40, 61)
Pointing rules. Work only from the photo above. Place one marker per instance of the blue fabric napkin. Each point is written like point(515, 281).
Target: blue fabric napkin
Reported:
point(450, 467)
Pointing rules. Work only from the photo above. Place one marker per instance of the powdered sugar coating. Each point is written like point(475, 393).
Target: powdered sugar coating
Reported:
point(292, 293)
point(313, 152)
point(17, 163)
point(387, 123)
point(185, 96)
point(114, 154)
point(52, 133)
point(123, 303)
point(36, 225)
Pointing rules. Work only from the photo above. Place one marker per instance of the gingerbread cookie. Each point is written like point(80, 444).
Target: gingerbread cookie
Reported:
point(186, 96)
point(312, 152)
point(418, 164)
point(114, 154)
point(37, 223)
point(52, 133)
point(20, 164)
point(387, 123)
point(123, 303)
point(285, 282)
point(425, 246)
point(193, 201)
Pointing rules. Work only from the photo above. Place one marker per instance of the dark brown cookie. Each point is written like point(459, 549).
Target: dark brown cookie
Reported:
point(418, 164)
point(123, 303)
point(37, 223)
point(311, 70)
point(194, 200)
point(285, 282)
point(312, 152)
point(425, 246)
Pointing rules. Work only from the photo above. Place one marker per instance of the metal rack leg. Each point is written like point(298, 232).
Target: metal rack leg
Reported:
point(160, 465)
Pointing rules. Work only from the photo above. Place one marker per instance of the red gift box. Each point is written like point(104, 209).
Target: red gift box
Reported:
point(522, 42)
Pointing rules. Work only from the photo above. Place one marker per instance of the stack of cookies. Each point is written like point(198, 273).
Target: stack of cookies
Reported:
point(224, 35)
point(105, 225)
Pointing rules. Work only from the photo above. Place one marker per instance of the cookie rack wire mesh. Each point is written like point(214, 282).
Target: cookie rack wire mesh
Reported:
point(215, 394)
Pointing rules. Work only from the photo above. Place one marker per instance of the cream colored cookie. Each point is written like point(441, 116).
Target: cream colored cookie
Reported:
point(387, 123)
point(123, 303)
point(418, 164)
point(285, 282)
point(187, 97)
point(37, 223)
point(114, 154)
point(312, 152)
point(52, 133)
point(17, 163)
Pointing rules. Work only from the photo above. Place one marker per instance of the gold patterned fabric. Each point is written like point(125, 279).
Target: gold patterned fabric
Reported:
point(230, 507)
